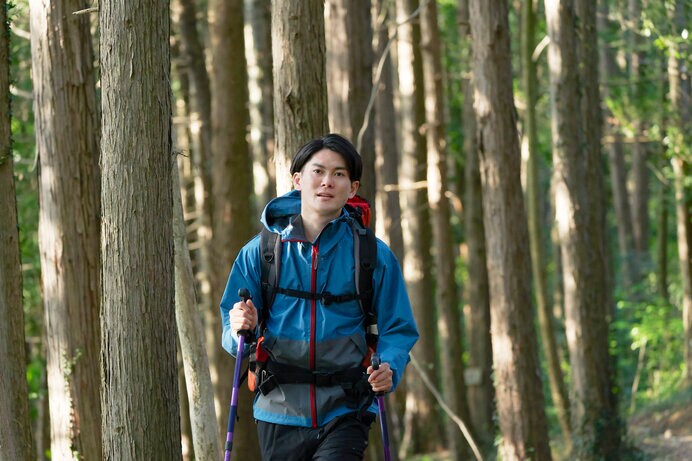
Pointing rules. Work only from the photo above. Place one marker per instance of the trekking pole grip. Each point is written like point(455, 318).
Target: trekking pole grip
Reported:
point(375, 361)
point(244, 293)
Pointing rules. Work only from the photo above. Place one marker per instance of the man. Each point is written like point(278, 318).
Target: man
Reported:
point(316, 389)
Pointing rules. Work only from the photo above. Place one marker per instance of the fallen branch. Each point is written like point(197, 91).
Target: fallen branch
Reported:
point(445, 407)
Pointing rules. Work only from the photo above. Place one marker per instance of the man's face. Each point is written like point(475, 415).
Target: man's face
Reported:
point(324, 185)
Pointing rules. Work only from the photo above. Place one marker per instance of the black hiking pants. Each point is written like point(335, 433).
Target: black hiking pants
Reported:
point(343, 439)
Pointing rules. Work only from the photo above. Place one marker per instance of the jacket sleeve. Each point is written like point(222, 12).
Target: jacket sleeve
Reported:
point(397, 327)
point(245, 273)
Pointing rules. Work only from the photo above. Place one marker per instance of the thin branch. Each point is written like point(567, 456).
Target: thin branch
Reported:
point(21, 33)
point(539, 48)
point(445, 407)
point(93, 9)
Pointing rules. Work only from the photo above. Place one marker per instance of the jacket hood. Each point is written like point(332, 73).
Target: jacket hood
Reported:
point(279, 211)
point(277, 215)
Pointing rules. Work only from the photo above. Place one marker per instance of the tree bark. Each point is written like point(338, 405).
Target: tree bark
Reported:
point(233, 216)
point(601, 291)
point(15, 433)
point(579, 222)
point(138, 350)
point(558, 389)
point(640, 154)
point(300, 81)
point(421, 422)
point(386, 151)
point(349, 81)
point(679, 120)
point(258, 42)
point(481, 394)
point(200, 392)
point(448, 320)
point(518, 386)
point(193, 53)
point(66, 126)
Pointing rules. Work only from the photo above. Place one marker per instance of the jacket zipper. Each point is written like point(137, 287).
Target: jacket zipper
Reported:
point(313, 325)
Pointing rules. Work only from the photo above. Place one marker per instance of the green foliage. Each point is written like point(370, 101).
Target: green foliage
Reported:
point(656, 325)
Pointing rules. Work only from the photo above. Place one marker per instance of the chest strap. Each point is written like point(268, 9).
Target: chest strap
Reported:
point(325, 297)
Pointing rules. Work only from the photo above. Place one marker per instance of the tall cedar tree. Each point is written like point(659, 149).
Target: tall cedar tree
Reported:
point(349, 80)
point(258, 47)
point(481, 393)
point(448, 323)
point(578, 220)
point(139, 396)
point(422, 425)
point(193, 55)
point(300, 80)
point(386, 151)
point(67, 127)
point(520, 402)
point(233, 214)
point(679, 95)
point(558, 389)
point(197, 382)
point(15, 433)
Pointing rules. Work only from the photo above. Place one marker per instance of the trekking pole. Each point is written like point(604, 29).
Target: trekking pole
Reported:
point(375, 361)
point(242, 335)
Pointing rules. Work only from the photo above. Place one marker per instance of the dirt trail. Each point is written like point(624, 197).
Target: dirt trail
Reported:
point(665, 434)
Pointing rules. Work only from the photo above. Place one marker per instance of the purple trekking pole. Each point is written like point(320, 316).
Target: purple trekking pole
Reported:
point(245, 294)
point(375, 361)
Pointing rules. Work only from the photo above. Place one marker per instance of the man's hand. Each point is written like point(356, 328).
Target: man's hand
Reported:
point(381, 379)
point(243, 316)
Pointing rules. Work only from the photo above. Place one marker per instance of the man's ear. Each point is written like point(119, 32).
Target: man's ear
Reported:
point(296, 180)
point(354, 188)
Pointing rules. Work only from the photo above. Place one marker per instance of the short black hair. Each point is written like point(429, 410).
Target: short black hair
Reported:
point(333, 142)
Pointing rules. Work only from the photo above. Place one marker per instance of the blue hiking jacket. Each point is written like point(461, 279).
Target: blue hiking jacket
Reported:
point(308, 334)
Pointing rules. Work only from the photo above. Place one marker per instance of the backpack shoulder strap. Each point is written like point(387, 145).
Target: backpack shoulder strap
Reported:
point(365, 256)
point(270, 263)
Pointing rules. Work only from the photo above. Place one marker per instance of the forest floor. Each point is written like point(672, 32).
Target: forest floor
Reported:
point(658, 432)
point(664, 432)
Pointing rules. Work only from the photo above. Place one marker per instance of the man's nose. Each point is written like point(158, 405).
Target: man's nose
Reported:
point(328, 179)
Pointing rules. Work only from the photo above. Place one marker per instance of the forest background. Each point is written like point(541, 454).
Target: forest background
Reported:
point(562, 195)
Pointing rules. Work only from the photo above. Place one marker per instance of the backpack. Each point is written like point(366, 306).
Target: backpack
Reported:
point(365, 257)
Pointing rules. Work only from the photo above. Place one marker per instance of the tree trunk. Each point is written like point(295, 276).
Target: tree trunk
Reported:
point(193, 53)
point(579, 222)
point(15, 433)
point(300, 81)
point(662, 244)
point(558, 389)
point(190, 333)
point(518, 385)
point(640, 155)
point(233, 216)
point(386, 151)
point(479, 381)
point(618, 171)
point(258, 42)
point(421, 422)
point(680, 119)
point(448, 322)
point(66, 129)
point(138, 350)
point(601, 307)
point(349, 81)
